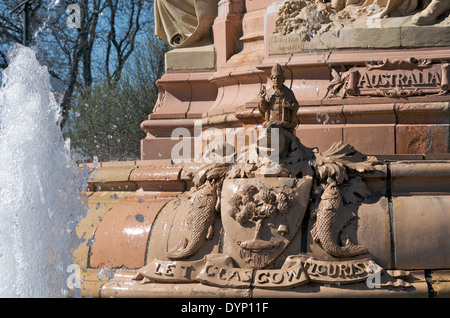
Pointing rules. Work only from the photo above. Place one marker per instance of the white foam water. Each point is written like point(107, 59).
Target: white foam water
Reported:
point(41, 188)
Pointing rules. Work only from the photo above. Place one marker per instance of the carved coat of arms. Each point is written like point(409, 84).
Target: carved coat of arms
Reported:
point(260, 216)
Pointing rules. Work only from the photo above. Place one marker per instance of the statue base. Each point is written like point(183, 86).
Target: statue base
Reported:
point(199, 57)
point(391, 33)
point(123, 286)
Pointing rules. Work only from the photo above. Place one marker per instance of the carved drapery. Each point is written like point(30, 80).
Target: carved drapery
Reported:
point(184, 23)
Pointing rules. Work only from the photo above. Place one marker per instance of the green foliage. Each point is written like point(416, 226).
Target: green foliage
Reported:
point(105, 118)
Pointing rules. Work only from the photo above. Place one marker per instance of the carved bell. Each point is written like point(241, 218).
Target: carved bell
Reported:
point(283, 229)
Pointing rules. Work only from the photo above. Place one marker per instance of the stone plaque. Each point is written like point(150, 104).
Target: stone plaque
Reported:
point(391, 78)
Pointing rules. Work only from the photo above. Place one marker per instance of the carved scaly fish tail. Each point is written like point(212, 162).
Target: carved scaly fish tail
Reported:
point(201, 221)
point(331, 218)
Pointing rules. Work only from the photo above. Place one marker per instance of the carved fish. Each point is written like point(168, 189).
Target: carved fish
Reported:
point(331, 218)
point(200, 222)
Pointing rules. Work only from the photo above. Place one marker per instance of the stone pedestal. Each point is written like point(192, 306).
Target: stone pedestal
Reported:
point(379, 89)
point(399, 122)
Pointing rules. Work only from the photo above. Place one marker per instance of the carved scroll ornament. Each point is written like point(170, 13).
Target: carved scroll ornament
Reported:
point(219, 270)
point(391, 78)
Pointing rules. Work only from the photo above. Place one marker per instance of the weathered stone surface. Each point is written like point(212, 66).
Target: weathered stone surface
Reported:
point(420, 232)
point(432, 138)
point(121, 237)
point(123, 286)
point(199, 57)
point(112, 178)
point(351, 37)
point(99, 204)
point(410, 178)
point(440, 283)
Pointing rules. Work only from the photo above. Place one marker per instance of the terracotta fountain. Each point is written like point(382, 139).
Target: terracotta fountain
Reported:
point(298, 149)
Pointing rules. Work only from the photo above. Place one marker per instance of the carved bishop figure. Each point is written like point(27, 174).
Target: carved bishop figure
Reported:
point(278, 105)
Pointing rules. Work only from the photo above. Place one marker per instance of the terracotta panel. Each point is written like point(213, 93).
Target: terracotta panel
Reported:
point(230, 89)
point(416, 178)
point(376, 180)
point(422, 139)
point(320, 136)
point(122, 286)
point(309, 83)
point(324, 115)
point(121, 238)
point(373, 229)
point(158, 178)
point(91, 282)
point(204, 94)
point(227, 29)
point(352, 57)
point(358, 290)
point(253, 24)
point(270, 18)
point(145, 163)
point(99, 204)
point(111, 174)
point(370, 128)
point(156, 173)
point(177, 96)
point(440, 282)
point(248, 88)
point(437, 156)
point(201, 57)
point(423, 113)
point(161, 148)
point(252, 5)
point(165, 127)
point(370, 114)
point(371, 139)
point(112, 178)
point(420, 231)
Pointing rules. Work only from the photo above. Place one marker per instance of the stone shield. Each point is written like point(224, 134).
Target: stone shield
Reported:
point(261, 216)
